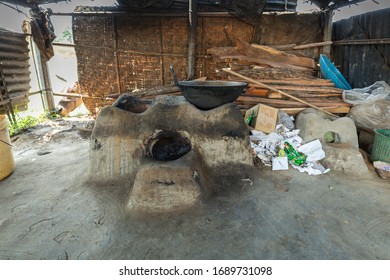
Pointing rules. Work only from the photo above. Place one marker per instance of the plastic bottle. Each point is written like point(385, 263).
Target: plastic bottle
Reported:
point(293, 155)
point(249, 119)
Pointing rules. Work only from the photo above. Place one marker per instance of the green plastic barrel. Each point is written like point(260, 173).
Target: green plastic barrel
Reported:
point(381, 147)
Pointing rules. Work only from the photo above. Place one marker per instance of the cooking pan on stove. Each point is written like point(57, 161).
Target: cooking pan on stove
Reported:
point(209, 94)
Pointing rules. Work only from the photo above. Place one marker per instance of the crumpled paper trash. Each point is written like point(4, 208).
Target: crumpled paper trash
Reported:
point(266, 147)
point(313, 150)
point(279, 163)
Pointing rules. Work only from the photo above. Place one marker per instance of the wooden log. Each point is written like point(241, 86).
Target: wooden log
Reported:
point(274, 89)
point(271, 54)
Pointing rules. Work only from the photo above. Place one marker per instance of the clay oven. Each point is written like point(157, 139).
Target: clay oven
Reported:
point(173, 154)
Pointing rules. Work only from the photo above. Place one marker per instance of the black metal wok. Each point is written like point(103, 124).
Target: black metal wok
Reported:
point(209, 94)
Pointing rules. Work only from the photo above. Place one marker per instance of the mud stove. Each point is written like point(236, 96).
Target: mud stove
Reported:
point(173, 154)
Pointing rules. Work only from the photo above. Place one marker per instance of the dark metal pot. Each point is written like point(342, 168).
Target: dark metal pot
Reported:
point(209, 94)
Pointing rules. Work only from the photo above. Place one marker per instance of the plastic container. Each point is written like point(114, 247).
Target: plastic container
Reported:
point(332, 73)
point(7, 162)
point(381, 146)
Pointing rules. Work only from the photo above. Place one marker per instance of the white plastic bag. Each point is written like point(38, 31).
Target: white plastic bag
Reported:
point(373, 115)
point(378, 91)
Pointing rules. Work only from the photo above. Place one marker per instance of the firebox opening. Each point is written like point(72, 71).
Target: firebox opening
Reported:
point(170, 146)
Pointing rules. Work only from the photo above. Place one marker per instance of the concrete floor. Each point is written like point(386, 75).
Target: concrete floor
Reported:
point(49, 211)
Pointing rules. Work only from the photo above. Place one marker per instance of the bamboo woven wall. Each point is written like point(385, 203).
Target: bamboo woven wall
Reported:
point(118, 54)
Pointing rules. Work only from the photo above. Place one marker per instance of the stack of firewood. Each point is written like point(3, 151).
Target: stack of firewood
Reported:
point(289, 73)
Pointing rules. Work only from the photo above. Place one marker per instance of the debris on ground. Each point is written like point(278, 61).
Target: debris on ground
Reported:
point(383, 169)
point(284, 146)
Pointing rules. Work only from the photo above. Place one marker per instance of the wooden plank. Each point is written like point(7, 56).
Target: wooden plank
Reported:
point(278, 103)
point(299, 94)
point(334, 110)
point(277, 47)
point(294, 111)
point(300, 82)
point(271, 54)
point(256, 92)
point(274, 89)
point(262, 48)
point(264, 62)
point(313, 45)
point(305, 89)
point(293, 82)
point(279, 106)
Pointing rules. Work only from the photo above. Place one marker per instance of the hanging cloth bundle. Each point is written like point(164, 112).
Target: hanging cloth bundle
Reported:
point(42, 32)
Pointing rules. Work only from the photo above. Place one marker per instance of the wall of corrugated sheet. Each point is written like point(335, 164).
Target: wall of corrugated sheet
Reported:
point(362, 65)
point(14, 56)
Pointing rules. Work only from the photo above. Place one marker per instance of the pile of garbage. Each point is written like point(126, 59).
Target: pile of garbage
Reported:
point(285, 147)
point(371, 106)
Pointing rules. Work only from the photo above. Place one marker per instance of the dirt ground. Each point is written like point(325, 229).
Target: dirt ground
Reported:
point(50, 211)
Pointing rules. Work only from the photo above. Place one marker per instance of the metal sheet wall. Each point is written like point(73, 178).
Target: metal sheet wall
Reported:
point(363, 62)
point(14, 57)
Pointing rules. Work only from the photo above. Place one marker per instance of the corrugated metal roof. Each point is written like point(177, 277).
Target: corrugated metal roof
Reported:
point(14, 58)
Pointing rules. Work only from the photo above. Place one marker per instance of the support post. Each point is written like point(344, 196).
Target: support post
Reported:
point(47, 90)
point(114, 31)
point(258, 31)
point(193, 20)
point(328, 23)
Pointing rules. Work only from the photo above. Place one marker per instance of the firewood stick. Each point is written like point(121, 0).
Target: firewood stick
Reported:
point(277, 90)
point(313, 45)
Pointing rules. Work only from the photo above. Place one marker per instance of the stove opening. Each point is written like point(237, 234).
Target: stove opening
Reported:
point(170, 146)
